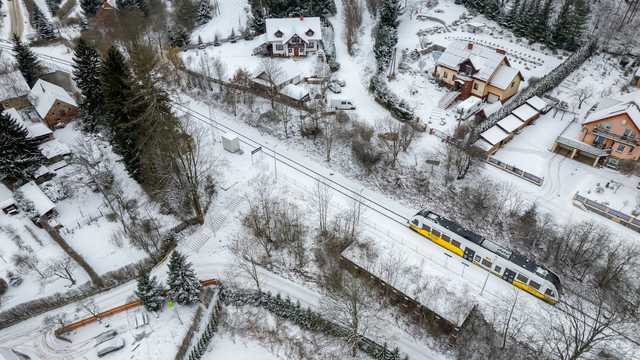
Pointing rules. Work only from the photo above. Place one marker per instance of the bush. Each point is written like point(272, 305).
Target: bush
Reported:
point(3, 286)
point(362, 147)
point(390, 101)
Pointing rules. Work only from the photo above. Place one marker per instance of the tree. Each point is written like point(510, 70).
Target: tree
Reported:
point(247, 256)
point(582, 94)
point(204, 12)
point(86, 73)
point(273, 74)
point(149, 292)
point(540, 30)
point(562, 27)
point(353, 21)
point(90, 7)
point(386, 38)
point(389, 136)
point(20, 155)
point(389, 13)
point(63, 268)
point(41, 24)
point(185, 15)
point(184, 286)
point(26, 263)
point(27, 61)
point(322, 200)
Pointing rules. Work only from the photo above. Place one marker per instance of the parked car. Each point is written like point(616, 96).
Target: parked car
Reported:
point(341, 104)
point(335, 88)
point(105, 336)
point(110, 346)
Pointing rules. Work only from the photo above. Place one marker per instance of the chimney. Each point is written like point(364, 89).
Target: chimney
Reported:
point(301, 17)
point(470, 46)
point(501, 51)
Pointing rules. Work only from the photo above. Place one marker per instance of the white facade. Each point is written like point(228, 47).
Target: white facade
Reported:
point(294, 36)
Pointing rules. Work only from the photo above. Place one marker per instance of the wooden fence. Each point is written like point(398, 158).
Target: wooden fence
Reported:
point(621, 218)
point(516, 171)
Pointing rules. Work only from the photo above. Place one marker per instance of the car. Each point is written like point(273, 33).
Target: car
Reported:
point(341, 104)
point(340, 82)
point(105, 336)
point(201, 46)
point(335, 88)
point(110, 346)
point(638, 186)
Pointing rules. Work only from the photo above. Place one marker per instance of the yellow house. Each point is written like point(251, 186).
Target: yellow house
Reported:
point(479, 71)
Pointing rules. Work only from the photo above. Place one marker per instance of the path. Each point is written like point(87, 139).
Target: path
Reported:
point(17, 25)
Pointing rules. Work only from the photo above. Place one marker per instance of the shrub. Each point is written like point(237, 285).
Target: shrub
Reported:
point(3, 286)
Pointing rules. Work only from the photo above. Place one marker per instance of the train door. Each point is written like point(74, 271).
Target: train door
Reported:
point(508, 275)
point(469, 254)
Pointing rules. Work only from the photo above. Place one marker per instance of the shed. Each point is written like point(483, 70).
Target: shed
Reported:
point(7, 203)
point(539, 104)
point(526, 113)
point(14, 90)
point(37, 130)
point(296, 92)
point(488, 110)
point(54, 151)
point(469, 106)
point(511, 124)
point(495, 137)
point(42, 204)
point(231, 143)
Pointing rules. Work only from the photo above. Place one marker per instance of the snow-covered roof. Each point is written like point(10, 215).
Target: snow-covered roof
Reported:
point(484, 59)
point(33, 193)
point(537, 103)
point(295, 91)
point(287, 27)
point(494, 135)
point(628, 104)
point(468, 103)
point(490, 109)
point(476, 24)
point(42, 170)
point(54, 148)
point(510, 123)
point(504, 76)
point(13, 85)
point(35, 129)
point(483, 144)
point(6, 197)
point(525, 112)
point(44, 94)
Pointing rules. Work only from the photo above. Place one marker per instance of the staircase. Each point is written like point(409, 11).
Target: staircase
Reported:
point(215, 224)
point(448, 99)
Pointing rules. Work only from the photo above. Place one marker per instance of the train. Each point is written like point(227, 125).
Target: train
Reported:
point(503, 262)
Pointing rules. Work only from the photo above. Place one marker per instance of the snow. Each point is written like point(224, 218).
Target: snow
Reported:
point(295, 91)
point(537, 103)
point(13, 85)
point(490, 109)
point(54, 148)
point(525, 112)
point(33, 193)
point(468, 104)
point(485, 60)
point(494, 135)
point(293, 26)
point(227, 347)
point(44, 95)
point(504, 76)
point(510, 123)
point(629, 105)
point(35, 130)
point(6, 197)
point(232, 16)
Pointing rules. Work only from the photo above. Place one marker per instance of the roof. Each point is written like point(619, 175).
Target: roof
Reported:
point(538, 103)
point(54, 148)
point(295, 91)
point(628, 104)
point(510, 123)
point(33, 193)
point(504, 76)
point(490, 109)
point(35, 130)
point(484, 59)
point(468, 103)
point(482, 144)
point(494, 135)
point(13, 85)
point(44, 94)
point(525, 112)
point(293, 26)
point(6, 199)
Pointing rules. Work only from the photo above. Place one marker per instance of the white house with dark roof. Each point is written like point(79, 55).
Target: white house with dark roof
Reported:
point(477, 70)
point(298, 36)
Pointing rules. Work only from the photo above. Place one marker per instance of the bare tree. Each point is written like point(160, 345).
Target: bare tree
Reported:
point(322, 200)
point(248, 257)
point(284, 114)
point(219, 69)
point(582, 94)
point(330, 129)
point(389, 136)
point(90, 306)
point(407, 134)
point(63, 268)
point(272, 74)
point(27, 263)
point(353, 10)
point(459, 154)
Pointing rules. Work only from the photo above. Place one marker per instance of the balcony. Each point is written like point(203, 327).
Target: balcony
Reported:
point(623, 139)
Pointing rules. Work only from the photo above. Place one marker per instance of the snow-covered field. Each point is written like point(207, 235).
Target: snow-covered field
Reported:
point(233, 15)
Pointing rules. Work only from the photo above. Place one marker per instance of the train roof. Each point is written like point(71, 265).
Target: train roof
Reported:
point(452, 225)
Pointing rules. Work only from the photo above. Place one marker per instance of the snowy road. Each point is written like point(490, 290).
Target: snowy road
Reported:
point(17, 26)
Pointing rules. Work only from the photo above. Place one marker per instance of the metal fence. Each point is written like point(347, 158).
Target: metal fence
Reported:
point(516, 171)
point(627, 220)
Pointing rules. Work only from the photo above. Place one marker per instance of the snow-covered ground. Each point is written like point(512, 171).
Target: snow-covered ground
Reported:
point(233, 15)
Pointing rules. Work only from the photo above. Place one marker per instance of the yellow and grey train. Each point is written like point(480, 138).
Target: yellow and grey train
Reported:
point(505, 263)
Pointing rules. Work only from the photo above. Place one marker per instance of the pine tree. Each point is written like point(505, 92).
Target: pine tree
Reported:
point(149, 292)
point(143, 7)
point(521, 20)
point(41, 24)
point(562, 26)
point(491, 9)
point(27, 62)
point(541, 29)
point(86, 73)
point(385, 40)
point(579, 22)
point(204, 12)
point(20, 155)
point(185, 14)
point(320, 8)
point(257, 20)
point(90, 7)
point(184, 286)
point(389, 13)
point(511, 18)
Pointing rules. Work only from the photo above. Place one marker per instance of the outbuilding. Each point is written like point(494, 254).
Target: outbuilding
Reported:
point(511, 124)
point(526, 113)
point(42, 205)
point(14, 90)
point(539, 104)
point(496, 137)
point(54, 105)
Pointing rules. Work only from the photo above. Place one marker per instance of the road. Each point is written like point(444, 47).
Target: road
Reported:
point(17, 21)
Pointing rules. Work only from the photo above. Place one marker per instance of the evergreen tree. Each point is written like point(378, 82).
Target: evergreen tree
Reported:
point(257, 20)
point(125, 4)
point(521, 21)
point(385, 40)
point(90, 7)
point(511, 18)
point(116, 87)
point(149, 292)
point(41, 24)
point(491, 9)
point(27, 62)
point(541, 28)
point(20, 155)
point(578, 24)
point(204, 12)
point(54, 6)
point(86, 73)
point(185, 14)
point(184, 286)
point(389, 13)
point(320, 8)
point(562, 27)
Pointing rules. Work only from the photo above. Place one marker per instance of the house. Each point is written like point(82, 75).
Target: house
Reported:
point(296, 92)
point(42, 205)
point(36, 130)
point(476, 27)
point(609, 134)
point(14, 90)
point(54, 105)
point(298, 36)
point(54, 151)
point(62, 79)
point(476, 70)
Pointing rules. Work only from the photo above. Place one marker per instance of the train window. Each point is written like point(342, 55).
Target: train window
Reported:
point(415, 222)
point(522, 278)
point(435, 232)
point(534, 285)
point(486, 262)
point(477, 258)
point(455, 243)
point(425, 227)
point(497, 269)
point(549, 292)
point(446, 237)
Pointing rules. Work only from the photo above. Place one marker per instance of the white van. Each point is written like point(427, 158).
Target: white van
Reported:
point(469, 107)
point(341, 104)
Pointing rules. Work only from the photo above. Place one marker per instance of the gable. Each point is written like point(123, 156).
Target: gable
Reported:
point(615, 118)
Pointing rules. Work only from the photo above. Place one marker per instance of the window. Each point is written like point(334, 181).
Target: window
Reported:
point(309, 32)
point(497, 269)
point(415, 222)
point(550, 293)
point(279, 47)
point(455, 243)
point(477, 258)
point(522, 278)
point(425, 227)
point(534, 285)
point(279, 34)
point(446, 237)
point(631, 148)
point(486, 262)
point(475, 86)
point(620, 148)
point(310, 44)
point(513, 83)
point(435, 232)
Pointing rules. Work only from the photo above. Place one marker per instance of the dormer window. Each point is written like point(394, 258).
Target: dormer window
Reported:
point(279, 34)
point(309, 33)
